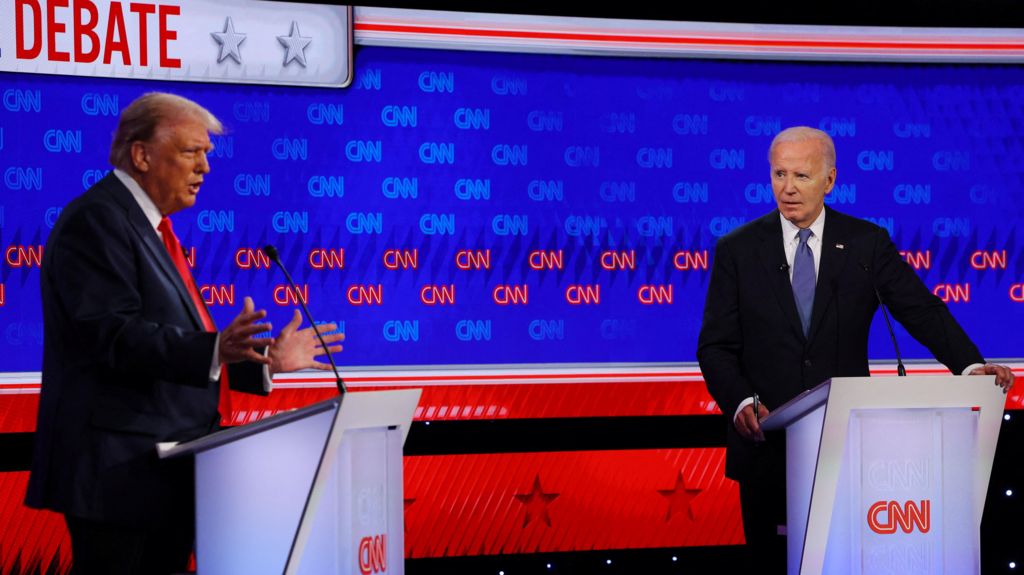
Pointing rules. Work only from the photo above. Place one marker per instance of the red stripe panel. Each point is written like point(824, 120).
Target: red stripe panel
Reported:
point(458, 505)
point(510, 401)
point(643, 398)
point(469, 402)
point(461, 402)
point(525, 401)
point(18, 413)
point(34, 541)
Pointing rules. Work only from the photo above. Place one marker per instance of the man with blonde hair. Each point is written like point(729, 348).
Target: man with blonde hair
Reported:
point(131, 356)
point(789, 305)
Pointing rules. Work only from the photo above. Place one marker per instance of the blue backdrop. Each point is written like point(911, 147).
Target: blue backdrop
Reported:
point(437, 175)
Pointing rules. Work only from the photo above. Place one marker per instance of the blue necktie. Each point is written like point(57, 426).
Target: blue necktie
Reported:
point(804, 280)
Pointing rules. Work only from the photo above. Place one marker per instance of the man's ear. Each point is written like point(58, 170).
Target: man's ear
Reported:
point(140, 159)
point(830, 180)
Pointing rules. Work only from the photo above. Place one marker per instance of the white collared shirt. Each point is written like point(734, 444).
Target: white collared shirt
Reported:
point(142, 198)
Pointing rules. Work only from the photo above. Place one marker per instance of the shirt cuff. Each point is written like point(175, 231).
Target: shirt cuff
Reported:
point(267, 380)
point(972, 367)
point(744, 403)
point(215, 360)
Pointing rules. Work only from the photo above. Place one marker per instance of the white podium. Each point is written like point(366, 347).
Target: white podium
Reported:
point(888, 474)
point(312, 491)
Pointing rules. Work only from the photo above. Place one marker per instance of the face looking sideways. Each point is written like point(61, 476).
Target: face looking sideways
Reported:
point(172, 164)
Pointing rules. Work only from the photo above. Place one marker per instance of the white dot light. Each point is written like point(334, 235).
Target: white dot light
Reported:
point(1006, 417)
point(674, 558)
point(608, 561)
point(549, 566)
point(501, 573)
point(1009, 492)
point(1013, 565)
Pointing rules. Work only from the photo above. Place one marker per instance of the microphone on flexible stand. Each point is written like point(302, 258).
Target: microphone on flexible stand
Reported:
point(271, 252)
point(839, 331)
point(900, 370)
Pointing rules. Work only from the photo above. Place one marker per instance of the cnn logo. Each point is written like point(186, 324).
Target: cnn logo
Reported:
point(373, 555)
point(906, 517)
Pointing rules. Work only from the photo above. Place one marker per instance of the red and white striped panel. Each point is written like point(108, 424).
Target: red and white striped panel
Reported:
point(479, 393)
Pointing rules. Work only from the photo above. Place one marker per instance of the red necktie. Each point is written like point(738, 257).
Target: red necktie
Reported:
point(178, 257)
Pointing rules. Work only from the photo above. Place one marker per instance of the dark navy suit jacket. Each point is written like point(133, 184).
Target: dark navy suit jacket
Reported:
point(125, 364)
point(751, 340)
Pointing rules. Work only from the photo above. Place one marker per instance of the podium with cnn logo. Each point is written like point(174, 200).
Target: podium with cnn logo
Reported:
point(888, 474)
point(316, 490)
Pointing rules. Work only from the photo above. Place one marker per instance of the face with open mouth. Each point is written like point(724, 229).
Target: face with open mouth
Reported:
point(800, 180)
point(173, 163)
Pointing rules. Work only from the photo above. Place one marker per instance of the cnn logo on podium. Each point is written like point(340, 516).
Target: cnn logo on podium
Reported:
point(373, 554)
point(908, 517)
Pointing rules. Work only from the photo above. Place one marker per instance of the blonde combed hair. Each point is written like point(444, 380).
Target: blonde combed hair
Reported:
point(141, 120)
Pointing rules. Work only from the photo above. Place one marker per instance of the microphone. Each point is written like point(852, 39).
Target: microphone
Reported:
point(271, 252)
point(900, 370)
point(839, 331)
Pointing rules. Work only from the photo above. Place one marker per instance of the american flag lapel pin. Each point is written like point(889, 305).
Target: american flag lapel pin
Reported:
point(840, 246)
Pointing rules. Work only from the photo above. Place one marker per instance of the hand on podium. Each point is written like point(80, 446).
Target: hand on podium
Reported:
point(748, 424)
point(1004, 376)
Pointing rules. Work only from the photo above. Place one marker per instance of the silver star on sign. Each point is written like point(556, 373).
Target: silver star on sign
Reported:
point(296, 46)
point(230, 42)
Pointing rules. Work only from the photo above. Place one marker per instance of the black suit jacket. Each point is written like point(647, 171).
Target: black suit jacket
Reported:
point(125, 364)
point(751, 340)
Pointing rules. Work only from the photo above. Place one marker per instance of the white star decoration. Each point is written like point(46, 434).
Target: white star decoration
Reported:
point(230, 42)
point(296, 46)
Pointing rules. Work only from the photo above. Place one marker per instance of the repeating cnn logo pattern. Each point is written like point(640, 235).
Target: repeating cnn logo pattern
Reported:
point(885, 516)
point(485, 209)
point(373, 554)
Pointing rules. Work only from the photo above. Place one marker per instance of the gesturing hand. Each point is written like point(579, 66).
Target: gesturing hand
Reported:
point(237, 341)
point(294, 349)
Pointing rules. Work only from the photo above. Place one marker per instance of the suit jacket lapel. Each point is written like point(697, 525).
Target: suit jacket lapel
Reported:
point(833, 258)
point(153, 244)
point(773, 259)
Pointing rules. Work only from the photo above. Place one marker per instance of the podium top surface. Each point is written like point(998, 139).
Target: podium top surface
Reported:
point(797, 407)
point(174, 449)
point(888, 392)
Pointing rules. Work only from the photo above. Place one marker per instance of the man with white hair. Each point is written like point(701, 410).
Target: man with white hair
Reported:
point(789, 305)
point(131, 356)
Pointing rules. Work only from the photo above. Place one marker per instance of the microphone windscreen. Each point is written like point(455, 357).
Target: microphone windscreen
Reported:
point(271, 251)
